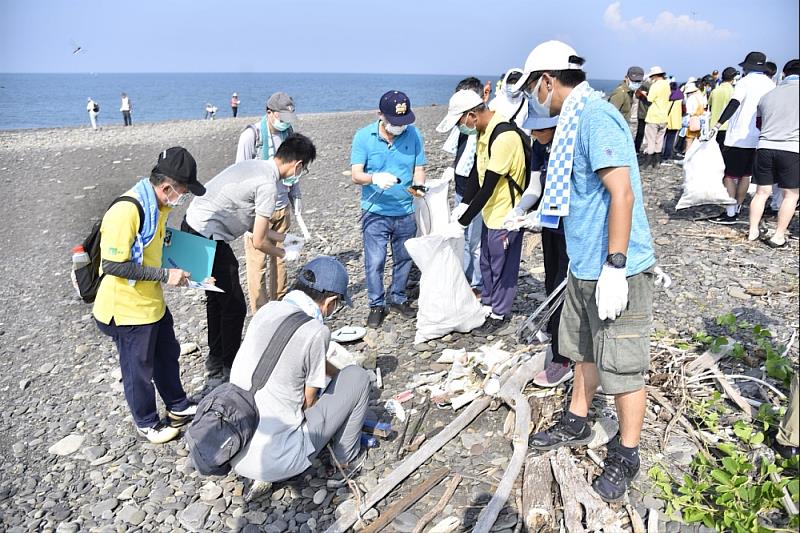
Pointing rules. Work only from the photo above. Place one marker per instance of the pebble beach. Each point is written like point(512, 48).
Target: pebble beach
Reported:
point(69, 456)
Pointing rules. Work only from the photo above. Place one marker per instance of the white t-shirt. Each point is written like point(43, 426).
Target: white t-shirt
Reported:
point(742, 131)
point(281, 445)
point(125, 104)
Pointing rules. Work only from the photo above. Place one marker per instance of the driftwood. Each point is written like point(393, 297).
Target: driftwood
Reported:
point(511, 393)
point(440, 505)
point(406, 501)
point(701, 440)
point(581, 502)
point(708, 361)
point(709, 358)
point(411, 463)
point(537, 494)
point(637, 524)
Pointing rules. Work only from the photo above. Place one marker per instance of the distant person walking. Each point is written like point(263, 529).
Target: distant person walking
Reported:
point(125, 107)
point(93, 109)
point(235, 104)
point(211, 110)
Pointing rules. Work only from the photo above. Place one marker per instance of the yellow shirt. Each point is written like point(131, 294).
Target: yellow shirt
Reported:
point(658, 96)
point(143, 302)
point(718, 100)
point(508, 158)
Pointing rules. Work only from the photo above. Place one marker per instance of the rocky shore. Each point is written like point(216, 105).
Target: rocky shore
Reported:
point(69, 458)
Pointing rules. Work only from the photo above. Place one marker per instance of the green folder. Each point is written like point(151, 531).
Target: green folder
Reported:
point(188, 252)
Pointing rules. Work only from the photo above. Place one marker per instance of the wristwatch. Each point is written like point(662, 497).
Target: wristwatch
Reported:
point(617, 260)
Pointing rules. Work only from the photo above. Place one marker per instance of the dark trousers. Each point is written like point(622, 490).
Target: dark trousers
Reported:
point(556, 262)
point(126, 116)
point(637, 142)
point(225, 311)
point(669, 143)
point(235, 111)
point(148, 354)
point(680, 144)
point(501, 251)
point(721, 139)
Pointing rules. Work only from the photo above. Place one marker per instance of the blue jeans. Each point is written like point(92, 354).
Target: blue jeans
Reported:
point(378, 232)
point(472, 249)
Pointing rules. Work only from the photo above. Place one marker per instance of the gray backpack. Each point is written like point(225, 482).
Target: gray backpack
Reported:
point(227, 417)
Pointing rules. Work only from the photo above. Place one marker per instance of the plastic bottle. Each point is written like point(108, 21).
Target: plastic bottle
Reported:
point(79, 257)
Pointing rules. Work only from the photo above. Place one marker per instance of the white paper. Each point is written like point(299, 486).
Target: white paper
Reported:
point(203, 286)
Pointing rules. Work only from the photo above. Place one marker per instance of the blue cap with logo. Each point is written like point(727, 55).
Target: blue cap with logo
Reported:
point(325, 274)
point(396, 107)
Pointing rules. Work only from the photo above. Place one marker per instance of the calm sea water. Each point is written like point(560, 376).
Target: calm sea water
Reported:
point(52, 100)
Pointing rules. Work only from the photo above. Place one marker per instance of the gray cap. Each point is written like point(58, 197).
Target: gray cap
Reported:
point(283, 104)
point(635, 74)
point(325, 274)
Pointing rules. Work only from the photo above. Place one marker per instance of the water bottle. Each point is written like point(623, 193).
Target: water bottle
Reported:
point(79, 259)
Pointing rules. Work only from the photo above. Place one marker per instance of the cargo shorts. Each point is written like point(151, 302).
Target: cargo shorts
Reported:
point(620, 348)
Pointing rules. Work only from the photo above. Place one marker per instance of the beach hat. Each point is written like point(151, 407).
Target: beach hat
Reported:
point(755, 61)
point(396, 107)
point(690, 88)
point(656, 71)
point(549, 55)
point(635, 74)
point(178, 164)
point(729, 73)
point(534, 122)
point(325, 274)
point(284, 104)
point(461, 102)
point(792, 67)
point(234, 94)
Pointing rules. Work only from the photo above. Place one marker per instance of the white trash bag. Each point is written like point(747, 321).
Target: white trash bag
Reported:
point(431, 212)
point(446, 302)
point(703, 169)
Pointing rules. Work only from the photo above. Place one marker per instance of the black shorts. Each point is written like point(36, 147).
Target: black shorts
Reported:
point(738, 161)
point(777, 166)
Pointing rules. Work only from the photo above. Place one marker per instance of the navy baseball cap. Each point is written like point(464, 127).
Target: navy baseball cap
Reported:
point(326, 274)
point(396, 107)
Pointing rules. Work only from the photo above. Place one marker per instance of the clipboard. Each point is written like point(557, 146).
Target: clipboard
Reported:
point(188, 252)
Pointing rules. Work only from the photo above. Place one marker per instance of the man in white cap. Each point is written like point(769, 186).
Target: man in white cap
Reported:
point(655, 127)
point(261, 140)
point(593, 183)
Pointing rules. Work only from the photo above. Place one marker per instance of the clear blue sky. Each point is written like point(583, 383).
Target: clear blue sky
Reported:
point(412, 36)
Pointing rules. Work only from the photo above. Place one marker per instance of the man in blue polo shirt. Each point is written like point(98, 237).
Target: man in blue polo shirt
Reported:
point(387, 158)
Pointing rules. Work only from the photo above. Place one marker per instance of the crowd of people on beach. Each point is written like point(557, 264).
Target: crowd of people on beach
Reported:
point(546, 153)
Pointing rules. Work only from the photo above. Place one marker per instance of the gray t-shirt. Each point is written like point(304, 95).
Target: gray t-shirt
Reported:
point(281, 445)
point(233, 198)
point(779, 110)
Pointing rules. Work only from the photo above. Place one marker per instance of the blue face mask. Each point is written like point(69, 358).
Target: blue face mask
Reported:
point(466, 130)
point(633, 85)
point(280, 125)
point(535, 107)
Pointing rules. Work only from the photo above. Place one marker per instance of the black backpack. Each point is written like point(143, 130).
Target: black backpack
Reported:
point(228, 417)
point(514, 188)
point(96, 108)
point(88, 277)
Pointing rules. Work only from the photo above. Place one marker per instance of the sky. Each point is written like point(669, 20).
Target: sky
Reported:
point(400, 37)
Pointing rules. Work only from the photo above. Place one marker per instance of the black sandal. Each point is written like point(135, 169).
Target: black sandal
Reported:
point(773, 244)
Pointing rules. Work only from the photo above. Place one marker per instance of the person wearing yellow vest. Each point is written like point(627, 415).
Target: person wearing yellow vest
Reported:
point(130, 306)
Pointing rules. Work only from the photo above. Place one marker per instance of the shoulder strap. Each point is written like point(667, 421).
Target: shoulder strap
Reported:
point(135, 202)
point(502, 128)
point(275, 347)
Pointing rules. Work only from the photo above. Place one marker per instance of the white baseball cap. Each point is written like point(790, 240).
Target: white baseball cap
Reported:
point(549, 55)
point(461, 102)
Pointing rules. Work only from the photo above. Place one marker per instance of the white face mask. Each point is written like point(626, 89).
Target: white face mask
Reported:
point(535, 107)
point(393, 130)
point(179, 201)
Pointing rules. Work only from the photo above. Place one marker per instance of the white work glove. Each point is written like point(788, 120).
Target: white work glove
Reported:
point(449, 174)
point(514, 219)
point(292, 253)
point(454, 230)
point(611, 293)
point(293, 241)
point(712, 134)
point(662, 278)
point(384, 180)
point(458, 211)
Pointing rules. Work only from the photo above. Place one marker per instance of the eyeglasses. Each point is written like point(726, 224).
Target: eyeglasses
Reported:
point(303, 171)
point(339, 306)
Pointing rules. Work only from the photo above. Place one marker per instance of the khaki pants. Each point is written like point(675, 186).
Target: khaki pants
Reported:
point(654, 138)
point(255, 261)
point(789, 432)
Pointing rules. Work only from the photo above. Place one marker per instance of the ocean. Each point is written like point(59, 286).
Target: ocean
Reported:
point(57, 100)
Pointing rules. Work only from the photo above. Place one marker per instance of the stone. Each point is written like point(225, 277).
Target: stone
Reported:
point(604, 430)
point(405, 522)
point(194, 516)
point(210, 491)
point(45, 368)
point(131, 514)
point(345, 508)
point(92, 453)
point(255, 517)
point(320, 496)
point(106, 505)
point(277, 494)
point(189, 347)
point(127, 493)
point(738, 293)
point(66, 446)
point(23, 384)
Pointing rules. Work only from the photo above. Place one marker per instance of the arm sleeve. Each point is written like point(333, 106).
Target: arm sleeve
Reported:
point(315, 359)
point(728, 112)
point(471, 185)
point(490, 181)
point(265, 200)
point(247, 145)
point(131, 270)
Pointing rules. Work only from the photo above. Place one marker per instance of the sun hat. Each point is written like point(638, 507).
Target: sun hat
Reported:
point(549, 55)
point(461, 102)
point(656, 71)
point(396, 108)
point(755, 61)
point(284, 104)
point(325, 274)
point(690, 88)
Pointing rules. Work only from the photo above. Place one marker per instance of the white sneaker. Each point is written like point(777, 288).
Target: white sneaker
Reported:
point(487, 310)
point(181, 418)
point(158, 434)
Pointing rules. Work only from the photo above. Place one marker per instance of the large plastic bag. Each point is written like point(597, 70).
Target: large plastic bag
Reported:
point(703, 169)
point(431, 212)
point(446, 302)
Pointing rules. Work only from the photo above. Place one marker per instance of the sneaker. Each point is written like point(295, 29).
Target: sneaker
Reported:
point(667, 163)
point(376, 316)
point(404, 309)
point(180, 418)
point(724, 218)
point(491, 326)
point(553, 375)
point(158, 434)
point(561, 434)
point(618, 472)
